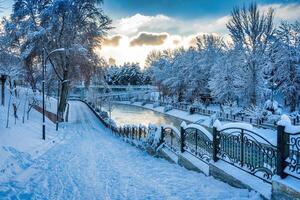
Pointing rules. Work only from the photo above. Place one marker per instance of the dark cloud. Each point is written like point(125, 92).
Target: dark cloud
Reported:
point(149, 39)
point(113, 41)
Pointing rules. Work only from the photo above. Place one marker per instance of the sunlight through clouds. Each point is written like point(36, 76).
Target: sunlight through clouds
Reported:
point(135, 36)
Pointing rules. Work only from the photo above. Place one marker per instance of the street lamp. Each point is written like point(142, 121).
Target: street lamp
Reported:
point(43, 84)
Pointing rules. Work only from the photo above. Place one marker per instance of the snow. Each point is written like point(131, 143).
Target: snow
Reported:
point(200, 164)
point(245, 126)
point(91, 163)
point(175, 130)
point(21, 144)
point(292, 129)
point(246, 178)
point(171, 154)
point(284, 121)
point(201, 128)
point(289, 181)
point(289, 128)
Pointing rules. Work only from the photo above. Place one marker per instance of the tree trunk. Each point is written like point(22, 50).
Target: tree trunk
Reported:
point(3, 79)
point(253, 95)
point(293, 102)
point(64, 95)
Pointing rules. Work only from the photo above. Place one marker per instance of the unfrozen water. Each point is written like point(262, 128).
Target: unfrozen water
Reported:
point(130, 114)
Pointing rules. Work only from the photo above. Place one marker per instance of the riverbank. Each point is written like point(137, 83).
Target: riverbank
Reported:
point(206, 121)
point(183, 115)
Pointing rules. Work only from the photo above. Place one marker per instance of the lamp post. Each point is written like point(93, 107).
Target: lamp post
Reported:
point(43, 84)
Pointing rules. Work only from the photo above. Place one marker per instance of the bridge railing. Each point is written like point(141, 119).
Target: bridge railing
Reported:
point(289, 149)
point(197, 141)
point(238, 144)
point(171, 138)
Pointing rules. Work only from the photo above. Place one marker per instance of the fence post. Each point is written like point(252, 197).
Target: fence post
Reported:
point(282, 150)
point(140, 132)
point(242, 148)
point(215, 144)
point(162, 136)
point(182, 139)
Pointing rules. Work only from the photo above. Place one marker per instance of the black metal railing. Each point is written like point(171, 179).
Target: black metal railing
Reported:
point(289, 151)
point(171, 138)
point(197, 143)
point(132, 132)
point(237, 145)
point(248, 151)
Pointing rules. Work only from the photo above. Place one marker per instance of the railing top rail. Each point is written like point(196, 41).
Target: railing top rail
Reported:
point(198, 127)
point(232, 125)
point(247, 128)
point(289, 128)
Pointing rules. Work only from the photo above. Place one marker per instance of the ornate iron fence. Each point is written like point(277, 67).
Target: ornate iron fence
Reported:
point(132, 132)
point(171, 138)
point(289, 150)
point(197, 141)
point(235, 143)
point(247, 150)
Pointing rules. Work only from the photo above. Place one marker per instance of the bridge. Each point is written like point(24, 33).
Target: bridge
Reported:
point(80, 91)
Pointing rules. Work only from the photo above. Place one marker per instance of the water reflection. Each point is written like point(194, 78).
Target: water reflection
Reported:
point(128, 114)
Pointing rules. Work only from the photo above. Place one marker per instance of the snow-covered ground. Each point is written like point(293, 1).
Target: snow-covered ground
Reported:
point(21, 143)
point(90, 163)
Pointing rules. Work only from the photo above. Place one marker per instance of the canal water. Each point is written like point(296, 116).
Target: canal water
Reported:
point(128, 114)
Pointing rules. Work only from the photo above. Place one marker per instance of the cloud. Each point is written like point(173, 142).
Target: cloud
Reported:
point(142, 34)
point(289, 12)
point(151, 39)
point(134, 24)
point(112, 41)
point(137, 23)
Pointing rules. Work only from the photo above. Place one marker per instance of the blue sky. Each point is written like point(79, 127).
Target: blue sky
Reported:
point(184, 9)
point(145, 25)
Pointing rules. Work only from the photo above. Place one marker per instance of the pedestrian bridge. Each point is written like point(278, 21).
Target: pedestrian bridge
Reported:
point(79, 91)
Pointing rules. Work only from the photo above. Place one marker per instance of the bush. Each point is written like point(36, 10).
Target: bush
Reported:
point(192, 109)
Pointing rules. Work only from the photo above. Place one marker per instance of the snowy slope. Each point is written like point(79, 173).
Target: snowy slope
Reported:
point(21, 143)
point(91, 163)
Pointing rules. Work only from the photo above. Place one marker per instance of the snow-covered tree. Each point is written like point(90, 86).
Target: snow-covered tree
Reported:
point(38, 27)
point(251, 30)
point(223, 76)
point(287, 74)
point(210, 48)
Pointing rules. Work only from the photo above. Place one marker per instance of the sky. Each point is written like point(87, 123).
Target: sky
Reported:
point(145, 25)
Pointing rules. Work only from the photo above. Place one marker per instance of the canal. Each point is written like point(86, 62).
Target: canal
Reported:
point(129, 114)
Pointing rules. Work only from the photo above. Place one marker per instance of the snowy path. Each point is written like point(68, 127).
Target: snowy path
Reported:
point(93, 164)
